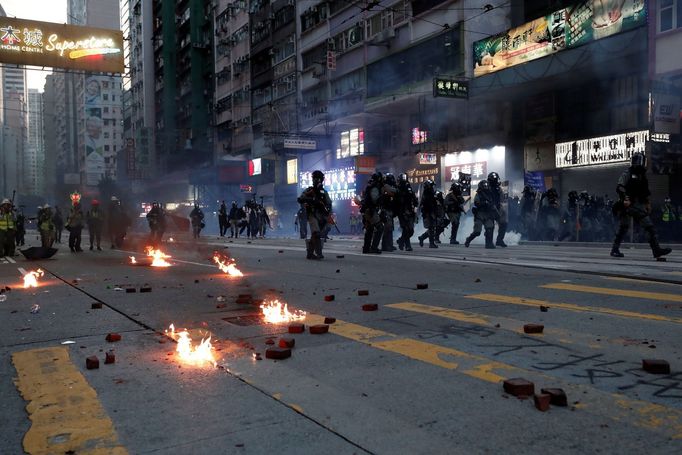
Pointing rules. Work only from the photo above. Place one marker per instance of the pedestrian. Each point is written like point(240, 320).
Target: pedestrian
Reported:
point(388, 211)
point(634, 204)
point(500, 201)
point(454, 207)
point(223, 219)
point(58, 220)
point(156, 218)
point(302, 222)
point(95, 220)
point(74, 224)
point(197, 218)
point(7, 228)
point(263, 220)
point(484, 211)
point(370, 207)
point(429, 210)
point(46, 226)
point(406, 203)
point(233, 218)
point(318, 207)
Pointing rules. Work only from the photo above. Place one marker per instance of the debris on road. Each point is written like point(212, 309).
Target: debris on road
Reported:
point(35, 309)
point(287, 343)
point(270, 342)
point(146, 289)
point(477, 280)
point(296, 328)
point(542, 401)
point(544, 309)
point(340, 256)
point(328, 320)
point(558, 396)
point(656, 366)
point(68, 342)
point(130, 290)
point(109, 358)
point(113, 337)
point(362, 292)
point(329, 298)
point(370, 307)
point(277, 353)
point(533, 328)
point(422, 285)
point(319, 329)
point(92, 362)
point(519, 387)
point(96, 306)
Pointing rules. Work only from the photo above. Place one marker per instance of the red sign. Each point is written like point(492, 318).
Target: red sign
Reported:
point(365, 164)
point(246, 188)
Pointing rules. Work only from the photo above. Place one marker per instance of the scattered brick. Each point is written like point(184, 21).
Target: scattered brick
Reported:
point(422, 285)
point(270, 341)
point(244, 301)
point(287, 343)
point(256, 355)
point(370, 307)
point(196, 281)
point(363, 292)
point(113, 337)
point(533, 328)
point(329, 298)
point(558, 396)
point(96, 306)
point(296, 328)
point(542, 401)
point(146, 289)
point(329, 320)
point(244, 296)
point(656, 366)
point(544, 309)
point(92, 362)
point(130, 290)
point(109, 358)
point(221, 305)
point(519, 387)
point(319, 329)
point(280, 251)
point(340, 256)
point(277, 353)
point(477, 280)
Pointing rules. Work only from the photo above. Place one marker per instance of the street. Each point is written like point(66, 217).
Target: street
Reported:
point(422, 374)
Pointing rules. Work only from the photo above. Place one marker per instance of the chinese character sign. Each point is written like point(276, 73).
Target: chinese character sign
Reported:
point(600, 150)
point(450, 88)
point(478, 171)
point(339, 183)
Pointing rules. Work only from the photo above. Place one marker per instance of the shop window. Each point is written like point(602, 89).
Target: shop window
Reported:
point(669, 15)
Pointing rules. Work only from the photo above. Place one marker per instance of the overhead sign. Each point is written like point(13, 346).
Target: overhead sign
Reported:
point(478, 171)
point(569, 27)
point(365, 164)
point(26, 42)
point(303, 144)
point(419, 136)
point(339, 183)
point(352, 143)
point(450, 88)
point(600, 150)
point(292, 171)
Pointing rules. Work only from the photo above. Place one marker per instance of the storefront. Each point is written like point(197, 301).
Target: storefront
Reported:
point(478, 163)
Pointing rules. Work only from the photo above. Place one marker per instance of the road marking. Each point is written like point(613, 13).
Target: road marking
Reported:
point(640, 281)
point(65, 413)
point(607, 405)
point(617, 292)
point(11, 260)
point(573, 307)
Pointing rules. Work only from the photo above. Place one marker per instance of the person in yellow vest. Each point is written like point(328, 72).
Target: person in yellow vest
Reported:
point(46, 226)
point(8, 228)
point(75, 226)
point(669, 219)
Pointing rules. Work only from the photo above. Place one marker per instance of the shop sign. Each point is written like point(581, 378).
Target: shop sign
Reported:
point(450, 88)
point(428, 158)
point(339, 183)
point(569, 27)
point(303, 144)
point(246, 188)
point(535, 180)
point(420, 175)
point(478, 171)
point(365, 164)
point(255, 166)
point(292, 171)
point(667, 113)
point(26, 42)
point(352, 143)
point(600, 150)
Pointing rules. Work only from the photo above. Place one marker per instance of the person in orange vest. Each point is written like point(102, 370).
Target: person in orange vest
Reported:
point(8, 228)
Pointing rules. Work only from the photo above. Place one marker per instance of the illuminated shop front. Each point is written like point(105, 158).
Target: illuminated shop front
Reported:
point(479, 163)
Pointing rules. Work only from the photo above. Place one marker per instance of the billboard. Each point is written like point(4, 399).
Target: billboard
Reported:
point(26, 42)
point(616, 148)
point(569, 27)
point(94, 140)
point(339, 183)
point(292, 171)
point(255, 166)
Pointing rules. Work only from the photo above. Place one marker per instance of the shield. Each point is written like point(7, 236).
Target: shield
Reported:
point(38, 252)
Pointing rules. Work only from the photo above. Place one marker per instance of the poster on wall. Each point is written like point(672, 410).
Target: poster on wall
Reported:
point(535, 180)
point(569, 27)
point(94, 143)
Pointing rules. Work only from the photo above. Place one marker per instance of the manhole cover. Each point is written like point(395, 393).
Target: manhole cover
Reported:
point(246, 319)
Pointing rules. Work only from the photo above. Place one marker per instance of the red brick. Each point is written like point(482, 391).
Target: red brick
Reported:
point(277, 353)
point(92, 362)
point(146, 289)
point(558, 396)
point(319, 329)
point(656, 366)
point(96, 306)
point(422, 285)
point(113, 337)
point(329, 320)
point(286, 342)
point(519, 387)
point(362, 292)
point(370, 307)
point(244, 296)
point(329, 298)
point(221, 305)
point(533, 328)
point(109, 358)
point(270, 341)
point(244, 301)
point(130, 290)
point(542, 401)
point(296, 328)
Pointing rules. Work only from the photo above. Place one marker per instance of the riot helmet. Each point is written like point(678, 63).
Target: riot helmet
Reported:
point(494, 179)
point(552, 193)
point(377, 178)
point(527, 190)
point(389, 179)
point(439, 195)
point(483, 185)
point(318, 178)
point(638, 161)
point(402, 178)
point(456, 188)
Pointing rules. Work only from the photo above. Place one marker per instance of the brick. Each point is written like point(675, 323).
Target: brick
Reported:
point(244, 296)
point(533, 328)
point(544, 309)
point(221, 305)
point(558, 396)
point(96, 306)
point(329, 320)
point(113, 337)
point(256, 356)
point(329, 298)
point(340, 256)
point(277, 353)
point(519, 387)
point(244, 301)
point(542, 401)
point(319, 329)
point(92, 362)
point(422, 285)
point(362, 292)
point(287, 343)
point(370, 307)
point(146, 289)
point(270, 341)
point(296, 328)
point(280, 251)
point(130, 290)
point(109, 358)
point(656, 366)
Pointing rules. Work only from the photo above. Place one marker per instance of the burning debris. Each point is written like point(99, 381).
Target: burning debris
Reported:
point(190, 354)
point(158, 257)
point(227, 265)
point(276, 312)
point(31, 278)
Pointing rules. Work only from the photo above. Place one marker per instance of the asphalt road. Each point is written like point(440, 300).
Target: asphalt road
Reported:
point(423, 374)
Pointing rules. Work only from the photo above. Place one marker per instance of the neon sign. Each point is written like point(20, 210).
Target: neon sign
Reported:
point(339, 183)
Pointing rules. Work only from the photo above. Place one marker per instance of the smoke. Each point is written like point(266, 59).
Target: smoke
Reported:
point(466, 226)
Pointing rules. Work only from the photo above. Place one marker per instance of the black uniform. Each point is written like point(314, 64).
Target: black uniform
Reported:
point(485, 214)
point(371, 214)
point(429, 209)
point(318, 207)
point(550, 215)
point(222, 219)
point(95, 220)
point(388, 211)
point(157, 223)
point(499, 199)
point(528, 215)
point(406, 209)
point(454, 207)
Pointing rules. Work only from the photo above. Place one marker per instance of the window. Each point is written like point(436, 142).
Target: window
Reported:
point(106, 148)
point(669, 15)
point(105, 97)
point(106, 110)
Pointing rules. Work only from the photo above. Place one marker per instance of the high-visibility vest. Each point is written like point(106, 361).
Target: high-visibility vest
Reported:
point(668, 215)
point(7, 221)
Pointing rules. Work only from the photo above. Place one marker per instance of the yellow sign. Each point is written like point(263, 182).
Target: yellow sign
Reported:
point(26, 42)
point(292, 171)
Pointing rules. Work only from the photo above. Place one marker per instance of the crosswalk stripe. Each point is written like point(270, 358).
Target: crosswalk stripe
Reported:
point(640, 281)
point(617, 292)
point(573, 307)
point(617, 407)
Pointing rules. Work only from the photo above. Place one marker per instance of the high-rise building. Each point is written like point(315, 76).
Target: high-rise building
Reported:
point(34, 158)
point(50, 135)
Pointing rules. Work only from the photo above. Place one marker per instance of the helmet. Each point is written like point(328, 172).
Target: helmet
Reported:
point(390, 179)
point(114, 198)
point(377, 177)
point(483, 185)
point(552, 192)
point(456, 188)
point(494, 179)
point(638, 160)
point(402, 177)
point(527, 189)
point(6, 201)
point(94, 202)
point(439, 195)
point(318, 176)
point(429, 183)
point(46, 206)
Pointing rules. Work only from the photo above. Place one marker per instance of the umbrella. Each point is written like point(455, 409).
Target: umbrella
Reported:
point(38, 252)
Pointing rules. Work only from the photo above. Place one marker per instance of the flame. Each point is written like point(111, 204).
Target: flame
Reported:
point(132, 260)
point(193, 355)
point(276, 312)
point(31, 278)
point(227, 265)
point(159, 257)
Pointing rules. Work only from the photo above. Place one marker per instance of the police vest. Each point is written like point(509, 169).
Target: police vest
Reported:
point(6, 222)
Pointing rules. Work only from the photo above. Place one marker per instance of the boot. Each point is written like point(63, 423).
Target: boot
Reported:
point(500, 243)
point(433, 239)
point(309, 250)
point(470, 239)
point(367, 244)
point(317, 246)
point(489, 239)
point(408, 246)
point(501, 231)
point(615, 252)
point(655, 247)
point(400, 243)
point(376, 239)
point(453, 241)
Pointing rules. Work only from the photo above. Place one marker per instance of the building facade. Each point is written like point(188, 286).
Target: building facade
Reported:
point(34, 159)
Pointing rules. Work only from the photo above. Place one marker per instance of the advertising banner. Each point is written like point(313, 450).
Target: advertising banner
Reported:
point(94, 141)
point(365, 164)
point(600, 150)
point(292, 171)
point(73, 47)
point(478, 171)
point(535, 180)
point(569, 27)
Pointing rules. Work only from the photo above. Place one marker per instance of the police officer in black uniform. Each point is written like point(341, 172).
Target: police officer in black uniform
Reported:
point(429, 209)
point(370, 208)
point(318, 206)
point(633, 192)
point(499, 199)
point(406, 206)
point(454, 207)
point(485, 214)
point(388, 211)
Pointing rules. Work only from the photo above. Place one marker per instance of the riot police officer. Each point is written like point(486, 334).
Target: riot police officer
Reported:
point(318, 207)
point(485, 214)
point(499, 199)
point(429, 209)
point(370, 208)
point(528, 215)
point(454, 207)
point(406, 205)
point(633, 192)
point(156, 218)
point(550, 215)
point(388, 211)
